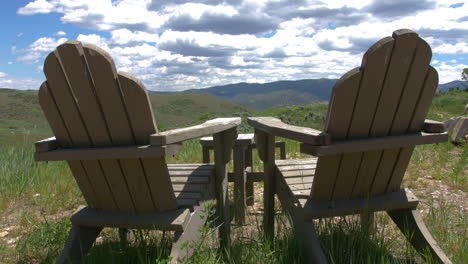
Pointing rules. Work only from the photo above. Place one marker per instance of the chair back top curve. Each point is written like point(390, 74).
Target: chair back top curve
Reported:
point(89, 104)
point(389, 95)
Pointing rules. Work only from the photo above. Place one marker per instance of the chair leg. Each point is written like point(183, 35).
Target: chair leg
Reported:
point(184, 242)
point(309, 241)
point(123, 236)
point(79, 242)
point(411, 224)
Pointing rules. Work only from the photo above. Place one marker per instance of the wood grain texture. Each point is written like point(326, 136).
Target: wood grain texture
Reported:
point(208, 128)
point(124, 152)
point(377, 143)
point(277, 128)
point(170, 221)
point(402, 199)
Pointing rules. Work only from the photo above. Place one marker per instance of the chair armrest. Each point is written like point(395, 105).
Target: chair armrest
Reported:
point(49, 150)
point(432, 126)
point(180, 134)
point(46, 144)
point(377, 143)
point(275, 127)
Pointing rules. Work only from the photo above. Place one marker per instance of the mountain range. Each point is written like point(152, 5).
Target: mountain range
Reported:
point(285, 93)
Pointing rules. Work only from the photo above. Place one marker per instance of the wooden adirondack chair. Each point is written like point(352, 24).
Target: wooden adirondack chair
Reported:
point(104, 128)
point(376, 116)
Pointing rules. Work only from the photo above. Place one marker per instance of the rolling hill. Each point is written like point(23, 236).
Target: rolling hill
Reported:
point(20, 113)
point(275, 94)
point(286, 93)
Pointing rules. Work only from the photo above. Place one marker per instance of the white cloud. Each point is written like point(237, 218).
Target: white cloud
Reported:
point(37, 50)
point(36, 7)
point(8, 81)
point(182, 44)
point(60, 33)
point(449, 72)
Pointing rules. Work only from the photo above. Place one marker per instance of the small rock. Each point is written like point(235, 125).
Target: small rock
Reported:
point(460, 130)
point(99, 240)
point(3, 234)
point(13, 240)
point(36, 195)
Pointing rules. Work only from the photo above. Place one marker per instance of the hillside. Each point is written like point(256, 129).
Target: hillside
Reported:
point(453, 84)
point(20, 113)
point(286, 93)
point(275, 94)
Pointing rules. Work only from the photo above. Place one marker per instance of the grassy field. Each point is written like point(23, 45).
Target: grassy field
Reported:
point(36, 200)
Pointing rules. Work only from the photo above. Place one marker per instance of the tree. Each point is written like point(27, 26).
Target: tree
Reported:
point(465, 74)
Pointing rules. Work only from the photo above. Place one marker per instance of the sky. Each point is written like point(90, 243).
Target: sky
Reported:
point(178, 44)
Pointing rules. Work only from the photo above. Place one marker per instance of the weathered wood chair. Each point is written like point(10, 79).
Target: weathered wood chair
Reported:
point(104, 128)
point(376, 116)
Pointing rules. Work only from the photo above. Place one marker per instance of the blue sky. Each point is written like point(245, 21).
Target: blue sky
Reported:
point(180, 44)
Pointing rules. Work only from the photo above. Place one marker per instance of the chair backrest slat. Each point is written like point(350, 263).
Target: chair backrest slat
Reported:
point(91, 100)
point(383, 97)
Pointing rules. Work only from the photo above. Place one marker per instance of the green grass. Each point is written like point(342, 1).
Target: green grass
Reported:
point(38, 197)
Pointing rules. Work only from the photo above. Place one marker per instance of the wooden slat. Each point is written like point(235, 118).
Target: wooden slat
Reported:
point(275, 127)
point(176, 172)
point(102, 153)
point(432, 126)
point(72, 120)
point(402, 199)
point(188, 195)
point(374, 65)
point(422, 107)
point(292, 162)
point(104, 75)
point(189, 187)
point(388, 142)
point(199, 179)
point(170, 221)
point(208, 128)
point(300, 180)
point(402, 121)
point(339, 117)
point(140, 114)
point(398, 73)
point(46, 144)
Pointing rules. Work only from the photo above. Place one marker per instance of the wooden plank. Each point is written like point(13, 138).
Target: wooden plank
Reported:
point(68, 110)
point(169, 221)
point(362, 145)
point(140, 114)
point(188, 195)
point(249, 188)
point(402, 199)
point(421, 109)
point(199, 179)
point(174, 172)
point(300, 180)
point(275, 127)
point(295, 162)
point(124, 152)
point(375, 63)
point(189, 187)
point(398, 73)
point(223, 142)
point(208, 128)
point(266, 150)
point(108, 91)
point(297, 173)
point(297, 167)
point(431, 126)
point(240, 180)
point(339, 117)
point(46, 144)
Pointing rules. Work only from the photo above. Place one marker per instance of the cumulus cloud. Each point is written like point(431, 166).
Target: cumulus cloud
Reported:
point(8, 81)
point(183, 44)
point(38, 49)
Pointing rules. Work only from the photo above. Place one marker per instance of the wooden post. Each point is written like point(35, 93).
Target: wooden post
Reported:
point(206, 154)
point(240, 177)
point(249, 188)
point(223, 143)
point(266, 151)
point(282, 146)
